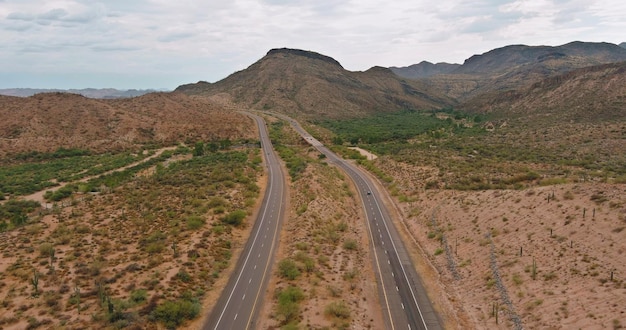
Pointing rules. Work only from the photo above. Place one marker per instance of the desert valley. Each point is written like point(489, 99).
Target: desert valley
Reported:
point(505, 177)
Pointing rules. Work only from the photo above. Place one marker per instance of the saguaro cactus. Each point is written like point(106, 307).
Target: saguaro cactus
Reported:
point(35, 281)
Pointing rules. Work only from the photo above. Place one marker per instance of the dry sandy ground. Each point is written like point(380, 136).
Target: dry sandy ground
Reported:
point(484, 245)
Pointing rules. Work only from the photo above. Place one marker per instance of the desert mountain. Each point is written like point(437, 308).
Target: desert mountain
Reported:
point(45, 122)
point(583, 95)
point(424, 69)
point(572, 55)
point(307, 83)
point(94, 93)
point(517, 66)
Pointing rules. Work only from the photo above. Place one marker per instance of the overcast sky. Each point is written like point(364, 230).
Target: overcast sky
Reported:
point(164, 43)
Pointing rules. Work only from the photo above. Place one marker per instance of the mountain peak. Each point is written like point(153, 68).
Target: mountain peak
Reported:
point(303, 53)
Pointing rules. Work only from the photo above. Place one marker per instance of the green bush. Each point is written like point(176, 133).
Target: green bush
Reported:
point(16, 210)
point(138, 296)
point(288, 298)
point(217, 201)
point(194, 222)
point(288, 269)
point(235, 218)
point(61, 193)
point(173, 313)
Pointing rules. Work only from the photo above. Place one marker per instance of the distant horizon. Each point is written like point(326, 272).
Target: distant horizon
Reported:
point(169, 89)
point(87, 88)
point(89, 92)
point(146, 44)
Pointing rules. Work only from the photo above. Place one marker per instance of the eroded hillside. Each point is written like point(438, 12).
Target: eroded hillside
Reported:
point(46, 122)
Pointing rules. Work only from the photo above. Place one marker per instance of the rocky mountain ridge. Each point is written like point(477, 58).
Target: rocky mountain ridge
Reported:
point(307, 83)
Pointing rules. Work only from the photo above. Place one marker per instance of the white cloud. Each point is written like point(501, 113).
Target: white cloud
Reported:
point(173, 42)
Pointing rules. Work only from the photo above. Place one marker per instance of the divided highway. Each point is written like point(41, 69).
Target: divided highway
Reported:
point(242, 297)
point(403, 298)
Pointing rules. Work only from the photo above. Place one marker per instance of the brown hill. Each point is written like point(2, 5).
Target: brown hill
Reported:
point(307, 83)
point(45, 122)
point(516, 66)
point(589, 94)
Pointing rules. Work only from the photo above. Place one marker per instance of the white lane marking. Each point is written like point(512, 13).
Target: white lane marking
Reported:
point(403, 307)
point(244, 297)
point(250, 280)
point(261, 221)
point(397, 288)
point(235, 316)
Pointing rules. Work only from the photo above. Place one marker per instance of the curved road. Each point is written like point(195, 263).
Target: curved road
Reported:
point(240, 301)
point(403, 298)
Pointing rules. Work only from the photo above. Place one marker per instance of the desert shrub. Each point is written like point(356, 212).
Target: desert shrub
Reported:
point(46, 249)
point(173, 313)
point(308, 264)
point(154, 243)
point(235, 218)
point(287, 308)
point(155, 247)
point(337, 309)
point(194, 222)
point(217, 201)
point(61, 193)
point(350, 244)
point(599, 197)
point(183, 276)
point(138, 296)
point(16, 210)
point(288, 269)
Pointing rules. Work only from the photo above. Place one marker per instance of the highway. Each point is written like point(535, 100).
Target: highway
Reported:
point(403, 298)
point(240, 301)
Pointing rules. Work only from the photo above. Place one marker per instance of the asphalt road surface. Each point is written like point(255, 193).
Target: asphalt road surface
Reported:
point(242, 297)
point(403, 298)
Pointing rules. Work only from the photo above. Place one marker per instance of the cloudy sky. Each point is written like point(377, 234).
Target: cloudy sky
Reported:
point(164, 43)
